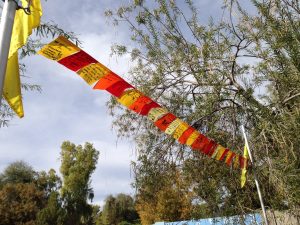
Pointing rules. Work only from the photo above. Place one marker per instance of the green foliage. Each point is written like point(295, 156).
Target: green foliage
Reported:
point(30, 197)
point(77, 166)
point(19, 203)
point(118, 210)
point(163, 194)
point(53, 212)
point(216, 75)
point(17, 172)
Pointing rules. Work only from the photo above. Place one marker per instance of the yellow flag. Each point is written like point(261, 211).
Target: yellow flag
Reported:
point(22, 28)
point(244, 170)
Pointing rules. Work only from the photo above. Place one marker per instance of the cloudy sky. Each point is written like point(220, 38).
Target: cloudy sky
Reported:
point(67, 108)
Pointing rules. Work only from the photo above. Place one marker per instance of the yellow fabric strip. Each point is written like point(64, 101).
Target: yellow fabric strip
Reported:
point(244, 170)
point(192, 138)
point(173, 126)
point(229, 154)
point(59, 49)
point(24, 24)
point(157, 113)
point(22, 28)
point(220, 152)
point(12, 86)
point(236, 162)
point(216, 151)
point(180, 130)
point(93, 72)
point(129, 97)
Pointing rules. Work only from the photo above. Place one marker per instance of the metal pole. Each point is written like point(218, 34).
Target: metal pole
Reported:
point(255, 178)
point(6, 26)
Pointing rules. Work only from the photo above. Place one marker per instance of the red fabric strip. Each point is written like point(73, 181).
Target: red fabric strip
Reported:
point(118, 88)
point(186, 135)
point(138, 105)
point(145, 110)
point(165, 121)
point(202, 144)
point(77, 61)
point(197, 145)
point(224, 154)
point(207, 148)
point(105, 82)
point(243, 162)
point(213, 148)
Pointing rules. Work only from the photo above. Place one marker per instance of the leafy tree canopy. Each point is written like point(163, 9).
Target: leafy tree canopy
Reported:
point(242, 68)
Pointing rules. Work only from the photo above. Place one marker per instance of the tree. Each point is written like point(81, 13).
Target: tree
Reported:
point(30, 197)
point(53, 212)
point(210, 74)
point(17, 172)
point(19, 203)
point(119, 210)
point(77, 166)
point(163, 193)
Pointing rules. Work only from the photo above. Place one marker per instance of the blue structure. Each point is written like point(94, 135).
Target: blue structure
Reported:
point(249, 219)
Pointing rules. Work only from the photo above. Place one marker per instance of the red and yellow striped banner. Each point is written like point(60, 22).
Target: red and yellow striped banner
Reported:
point(94, 73)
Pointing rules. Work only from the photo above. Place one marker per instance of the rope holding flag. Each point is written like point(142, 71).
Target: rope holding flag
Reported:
point(94, 73)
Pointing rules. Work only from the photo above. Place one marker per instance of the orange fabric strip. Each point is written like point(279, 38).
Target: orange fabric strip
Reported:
point(165, 121)
point(229, 157)
point(107, 81)
point(138, 105)
point(186, 135)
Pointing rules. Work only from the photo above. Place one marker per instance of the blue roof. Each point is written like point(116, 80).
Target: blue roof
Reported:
point(249, 219)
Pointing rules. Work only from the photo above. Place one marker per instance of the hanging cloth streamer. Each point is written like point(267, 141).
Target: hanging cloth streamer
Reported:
point(75, 59)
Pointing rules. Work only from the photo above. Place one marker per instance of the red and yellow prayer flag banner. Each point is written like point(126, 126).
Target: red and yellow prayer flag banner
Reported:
point(66, 53)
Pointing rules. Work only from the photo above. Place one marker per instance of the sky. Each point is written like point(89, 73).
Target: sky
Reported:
point(68, 109)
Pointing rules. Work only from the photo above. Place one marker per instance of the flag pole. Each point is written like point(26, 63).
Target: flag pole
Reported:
point(6, 26)
point(255, 178)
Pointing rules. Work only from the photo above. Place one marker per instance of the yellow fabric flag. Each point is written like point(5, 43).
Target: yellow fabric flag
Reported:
point(244, 170)
point(22, 28)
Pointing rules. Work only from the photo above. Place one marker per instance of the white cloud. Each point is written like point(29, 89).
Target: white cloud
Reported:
point(68, 109)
